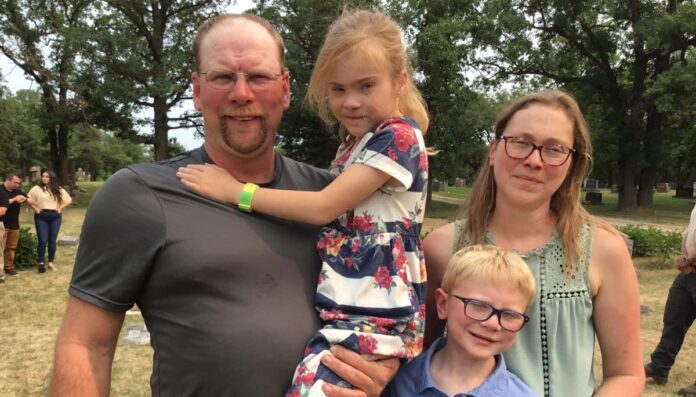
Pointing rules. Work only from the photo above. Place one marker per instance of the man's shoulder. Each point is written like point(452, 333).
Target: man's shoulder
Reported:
point(304, 175)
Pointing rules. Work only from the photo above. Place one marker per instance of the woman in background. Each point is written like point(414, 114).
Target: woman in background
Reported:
point(48, 199)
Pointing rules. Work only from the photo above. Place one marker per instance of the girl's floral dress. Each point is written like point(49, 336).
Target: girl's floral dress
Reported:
point(372, 286)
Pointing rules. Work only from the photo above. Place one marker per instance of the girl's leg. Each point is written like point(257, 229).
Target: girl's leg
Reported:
point(53, 228)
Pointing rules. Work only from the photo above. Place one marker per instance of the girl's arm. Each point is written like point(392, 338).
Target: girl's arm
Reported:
point(353, 186)
point(66, 200)
point(616, 316)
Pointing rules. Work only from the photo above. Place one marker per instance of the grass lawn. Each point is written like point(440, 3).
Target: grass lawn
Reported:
point(32, 306)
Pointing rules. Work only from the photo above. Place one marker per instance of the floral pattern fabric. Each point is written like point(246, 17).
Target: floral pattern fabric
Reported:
point(372, 287)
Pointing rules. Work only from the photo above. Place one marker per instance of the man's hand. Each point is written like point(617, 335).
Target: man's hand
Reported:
point(368, 377)
point(684, 266)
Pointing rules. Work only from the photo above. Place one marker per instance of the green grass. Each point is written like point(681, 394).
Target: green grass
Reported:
point(666, 209)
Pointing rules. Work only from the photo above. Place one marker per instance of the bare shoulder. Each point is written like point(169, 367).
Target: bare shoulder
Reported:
point(611, 262)
point(609, 246)
point(437, 245)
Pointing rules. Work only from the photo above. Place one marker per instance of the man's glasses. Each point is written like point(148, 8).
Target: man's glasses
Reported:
point(482, 311)
point(551, 153)
point(225, 80)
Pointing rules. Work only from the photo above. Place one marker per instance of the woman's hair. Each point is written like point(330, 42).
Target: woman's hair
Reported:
point(376, 38)
point(564, 202)
point(53, 187)
point(489, 264)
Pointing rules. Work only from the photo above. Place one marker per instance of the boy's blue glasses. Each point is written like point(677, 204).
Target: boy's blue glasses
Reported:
point(482, 311)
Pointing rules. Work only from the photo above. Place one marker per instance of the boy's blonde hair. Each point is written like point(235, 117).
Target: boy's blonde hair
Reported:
point(488, 263)
point(376, 37)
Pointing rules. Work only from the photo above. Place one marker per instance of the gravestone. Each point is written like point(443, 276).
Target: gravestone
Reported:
point(614, 188)
point(136, 334)
point(684, 191)
point(593, 198)
point(437, 185)
point(68, 240)
point(662, 187)
point(459, 182)
point(591, 185)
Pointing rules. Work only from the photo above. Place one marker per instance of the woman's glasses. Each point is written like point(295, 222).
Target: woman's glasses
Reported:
point(551, 153)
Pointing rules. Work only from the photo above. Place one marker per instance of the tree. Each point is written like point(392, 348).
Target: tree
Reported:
point(23, 141)
point(45, 39)
point(143, 63)
point(608, 53)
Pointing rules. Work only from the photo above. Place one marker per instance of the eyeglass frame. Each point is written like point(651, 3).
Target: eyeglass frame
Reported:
point(246, 75)
point(571, 151)
point(494, 311)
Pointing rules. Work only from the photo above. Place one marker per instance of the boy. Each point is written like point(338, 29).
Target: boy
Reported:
point(484, 294)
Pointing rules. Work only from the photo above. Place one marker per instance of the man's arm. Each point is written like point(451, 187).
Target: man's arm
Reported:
point(369, 378)
point(85, 349)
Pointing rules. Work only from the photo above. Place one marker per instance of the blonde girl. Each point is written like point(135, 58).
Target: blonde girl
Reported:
point(371, 288)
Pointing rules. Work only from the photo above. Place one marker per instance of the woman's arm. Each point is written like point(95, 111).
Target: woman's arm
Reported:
point(353, 186)
point(437, 248)
point(616, 316)
point(66, 200)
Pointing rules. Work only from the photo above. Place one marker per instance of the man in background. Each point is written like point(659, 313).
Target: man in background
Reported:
point(4, 204)
point(10, 238)
point(680, 313)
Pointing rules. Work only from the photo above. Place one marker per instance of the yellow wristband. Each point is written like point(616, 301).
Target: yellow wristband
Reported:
point(247, 194)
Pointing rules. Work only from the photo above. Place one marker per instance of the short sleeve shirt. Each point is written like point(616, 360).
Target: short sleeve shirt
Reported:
point(226, 296)
point(4, 201)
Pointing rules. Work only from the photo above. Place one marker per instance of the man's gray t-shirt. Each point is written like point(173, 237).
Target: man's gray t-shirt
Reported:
point(227, 296)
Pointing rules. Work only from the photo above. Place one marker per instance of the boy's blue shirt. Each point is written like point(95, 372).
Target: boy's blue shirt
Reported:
point(414, 379)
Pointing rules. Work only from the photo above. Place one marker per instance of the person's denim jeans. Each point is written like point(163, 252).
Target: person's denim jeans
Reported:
point(47, 226)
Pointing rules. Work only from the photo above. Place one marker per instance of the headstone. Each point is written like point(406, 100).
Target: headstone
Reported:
point(591, 185)
point(35, 172)
point(68, 240)
point(614, 188)
point(437, 185)
point(459, 182)
point(684, 192)
point(136, 334)
point(662, 187)
point(644, 309)
point(593, 198)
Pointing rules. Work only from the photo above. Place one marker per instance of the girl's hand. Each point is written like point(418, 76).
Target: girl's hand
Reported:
point(211, 181)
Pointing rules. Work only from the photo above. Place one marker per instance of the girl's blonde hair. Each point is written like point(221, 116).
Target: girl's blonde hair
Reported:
point(489, 264)
point(565, 202)
point(376, 38)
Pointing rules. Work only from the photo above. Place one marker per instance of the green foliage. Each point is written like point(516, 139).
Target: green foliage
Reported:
point(26, 248)
point(650, 241)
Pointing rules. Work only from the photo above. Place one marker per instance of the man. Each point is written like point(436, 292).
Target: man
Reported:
point(680, 312)
point(4, 204)
point(11, 222)
point(227, 296)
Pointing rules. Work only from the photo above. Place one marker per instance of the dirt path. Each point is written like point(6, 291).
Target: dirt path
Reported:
point(613, 221)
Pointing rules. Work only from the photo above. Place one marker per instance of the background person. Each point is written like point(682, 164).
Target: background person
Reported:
point(11, 236)
point(525, 198)
point(4, 205)
point(680, 312)
point(48, 199)
point(227, 296)
point(484, 294)
point(371, 292)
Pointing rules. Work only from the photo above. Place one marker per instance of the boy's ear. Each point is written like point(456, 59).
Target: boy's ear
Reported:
point(441, 303)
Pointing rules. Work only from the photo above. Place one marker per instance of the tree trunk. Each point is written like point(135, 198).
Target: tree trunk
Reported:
point(161, 138)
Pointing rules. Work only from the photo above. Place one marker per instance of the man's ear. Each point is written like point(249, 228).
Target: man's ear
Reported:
point(196, 86)
point(286, 89)
point(441, 303)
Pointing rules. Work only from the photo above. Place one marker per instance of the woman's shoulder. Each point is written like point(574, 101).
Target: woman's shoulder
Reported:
point(437, 245)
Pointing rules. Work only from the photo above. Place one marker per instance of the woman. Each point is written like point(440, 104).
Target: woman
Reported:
point(48, 200)
point(526, 198)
